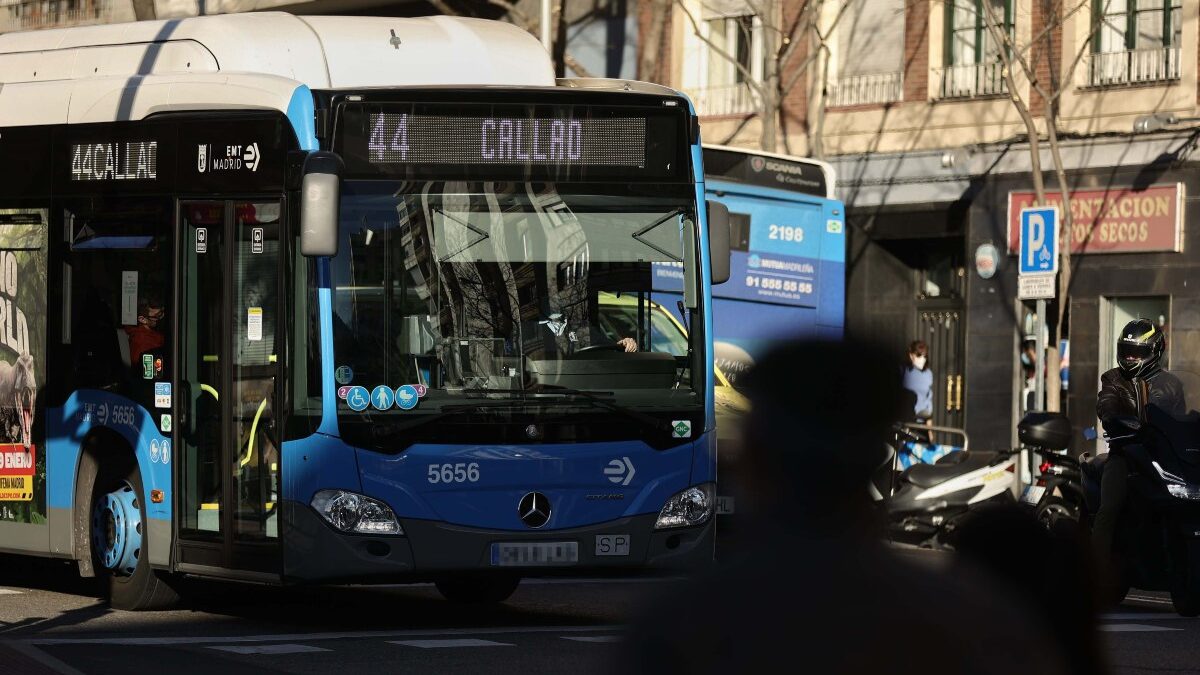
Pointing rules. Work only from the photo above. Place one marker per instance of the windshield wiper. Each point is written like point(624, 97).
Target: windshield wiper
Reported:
point(594, 398)
point(383, 429)
point(562, 394)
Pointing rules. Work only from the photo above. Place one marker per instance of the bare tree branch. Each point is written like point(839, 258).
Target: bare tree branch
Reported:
point(822, 44)
point(1001, 39)
point(519, 19)
point(750, 79)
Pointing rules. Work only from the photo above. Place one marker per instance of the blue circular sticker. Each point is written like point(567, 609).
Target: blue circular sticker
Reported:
point(358, 399)
point(344, 374)
point(407, 397)
point(382, 397)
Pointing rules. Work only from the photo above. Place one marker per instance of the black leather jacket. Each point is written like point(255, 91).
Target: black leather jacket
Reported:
point(1117, 397)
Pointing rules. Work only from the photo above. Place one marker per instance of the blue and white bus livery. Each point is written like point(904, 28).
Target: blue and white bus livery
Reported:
point(292, 310)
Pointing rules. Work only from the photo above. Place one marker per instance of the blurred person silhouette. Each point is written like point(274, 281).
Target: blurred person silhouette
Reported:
point(918, 378)
point(815, 589)
point(1050, 569)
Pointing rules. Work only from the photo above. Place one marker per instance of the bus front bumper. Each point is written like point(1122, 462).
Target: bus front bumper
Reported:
point(315, 552)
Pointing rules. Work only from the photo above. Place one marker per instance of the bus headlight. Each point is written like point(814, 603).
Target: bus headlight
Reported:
point(355, 513)
point(691, 507)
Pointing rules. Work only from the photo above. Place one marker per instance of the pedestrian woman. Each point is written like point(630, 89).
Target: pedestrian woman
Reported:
point(918, 379)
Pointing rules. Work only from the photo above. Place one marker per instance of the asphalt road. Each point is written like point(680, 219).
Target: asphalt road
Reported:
point(53, 622)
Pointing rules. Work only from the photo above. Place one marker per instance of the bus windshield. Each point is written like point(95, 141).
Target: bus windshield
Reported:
point(504, 291)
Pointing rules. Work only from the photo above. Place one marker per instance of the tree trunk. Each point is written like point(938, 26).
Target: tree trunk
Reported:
point(772, 97)
point(144, 10)
point(816, 128)
point(560, 38)
point(1053, 378)
point(650, 43)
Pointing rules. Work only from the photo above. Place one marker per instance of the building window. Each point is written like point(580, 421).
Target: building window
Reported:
point(28, 14)
point(971, 55)
point(870, 54)
point(1135, 42)
point(733, 64)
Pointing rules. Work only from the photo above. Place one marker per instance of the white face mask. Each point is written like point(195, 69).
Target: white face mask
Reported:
point(918, 362)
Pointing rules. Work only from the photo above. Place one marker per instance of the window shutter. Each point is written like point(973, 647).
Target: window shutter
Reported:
point(871, 38)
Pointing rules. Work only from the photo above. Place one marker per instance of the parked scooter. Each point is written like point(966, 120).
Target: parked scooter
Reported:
point(1056, 494)
point(1157, 540)
point(925, 502)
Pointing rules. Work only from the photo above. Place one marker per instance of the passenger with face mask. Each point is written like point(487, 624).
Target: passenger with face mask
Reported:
point(918, 378)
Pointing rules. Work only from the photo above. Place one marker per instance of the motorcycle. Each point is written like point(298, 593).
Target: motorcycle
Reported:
point(1056, 494)
point(925, 502)
point(1156, 543)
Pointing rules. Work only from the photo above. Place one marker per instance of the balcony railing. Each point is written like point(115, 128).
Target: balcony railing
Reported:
point(866, 89)
point(733, 99)
point(971, 80)
point(32, 14)
point(1136, 66)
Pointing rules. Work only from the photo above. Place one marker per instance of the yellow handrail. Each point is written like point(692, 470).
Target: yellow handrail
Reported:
point(253, 433)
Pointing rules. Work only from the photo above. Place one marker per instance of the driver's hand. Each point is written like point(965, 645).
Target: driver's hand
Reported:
point(629, 344)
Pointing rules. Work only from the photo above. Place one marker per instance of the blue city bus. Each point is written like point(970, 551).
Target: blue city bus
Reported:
point(319, 299)
point(788, 266)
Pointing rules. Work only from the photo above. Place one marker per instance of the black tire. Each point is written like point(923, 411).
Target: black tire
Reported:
point(1054, 512)
point(145, 588)
point(487, 589)
point(1186, 601)
point(1120, 591)
point(1185, 586)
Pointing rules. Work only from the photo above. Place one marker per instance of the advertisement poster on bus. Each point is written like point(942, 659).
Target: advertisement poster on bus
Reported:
point(23, 269)
point(775, 262)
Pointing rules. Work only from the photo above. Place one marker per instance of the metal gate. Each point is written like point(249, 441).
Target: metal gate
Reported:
point(942, 330)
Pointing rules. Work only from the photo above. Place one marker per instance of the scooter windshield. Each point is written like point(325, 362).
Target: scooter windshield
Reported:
point(1171, 414)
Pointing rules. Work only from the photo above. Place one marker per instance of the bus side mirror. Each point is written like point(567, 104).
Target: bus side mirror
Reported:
point(718, 240)
point(320, 190)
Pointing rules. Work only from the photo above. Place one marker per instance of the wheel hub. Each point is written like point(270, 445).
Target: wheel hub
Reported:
point(117, 530)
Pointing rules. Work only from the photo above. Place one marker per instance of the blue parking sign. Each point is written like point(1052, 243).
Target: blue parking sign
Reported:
point(1039, 240)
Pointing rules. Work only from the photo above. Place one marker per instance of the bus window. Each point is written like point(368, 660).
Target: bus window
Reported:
point(739, 231)
point(120, 292)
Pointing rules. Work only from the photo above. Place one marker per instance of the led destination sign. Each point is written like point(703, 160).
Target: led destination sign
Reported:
point(114, 160)
point(402, 138)
point(499, 137)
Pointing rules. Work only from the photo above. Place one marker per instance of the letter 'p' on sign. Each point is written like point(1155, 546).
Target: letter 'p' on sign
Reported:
point(1039, 240)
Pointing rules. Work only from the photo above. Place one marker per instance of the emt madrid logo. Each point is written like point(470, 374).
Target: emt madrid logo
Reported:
point(236, 158)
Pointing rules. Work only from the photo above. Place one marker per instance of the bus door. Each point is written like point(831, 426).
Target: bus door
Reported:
point(227, 383)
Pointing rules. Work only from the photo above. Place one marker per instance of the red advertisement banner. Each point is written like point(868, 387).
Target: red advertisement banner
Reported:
point(17, 465)
point(16, 460)
point(1112, 221)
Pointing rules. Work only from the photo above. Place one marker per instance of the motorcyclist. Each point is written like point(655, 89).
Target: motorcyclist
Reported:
point(1140, 351)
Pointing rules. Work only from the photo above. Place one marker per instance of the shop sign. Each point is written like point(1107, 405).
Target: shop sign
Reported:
point(1118, 220)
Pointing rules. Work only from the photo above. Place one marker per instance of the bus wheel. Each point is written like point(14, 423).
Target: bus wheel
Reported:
point(119, 542)
point(478, 589)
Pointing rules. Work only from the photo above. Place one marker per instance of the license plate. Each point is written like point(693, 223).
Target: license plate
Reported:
point(1033, 494)
point(724, 505)
point(612, 544)
point(535, 554)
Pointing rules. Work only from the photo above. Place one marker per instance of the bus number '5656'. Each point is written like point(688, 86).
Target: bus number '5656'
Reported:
point(454, 473)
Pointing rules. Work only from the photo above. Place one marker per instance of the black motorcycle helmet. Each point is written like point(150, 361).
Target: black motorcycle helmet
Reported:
point(1140, 348)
